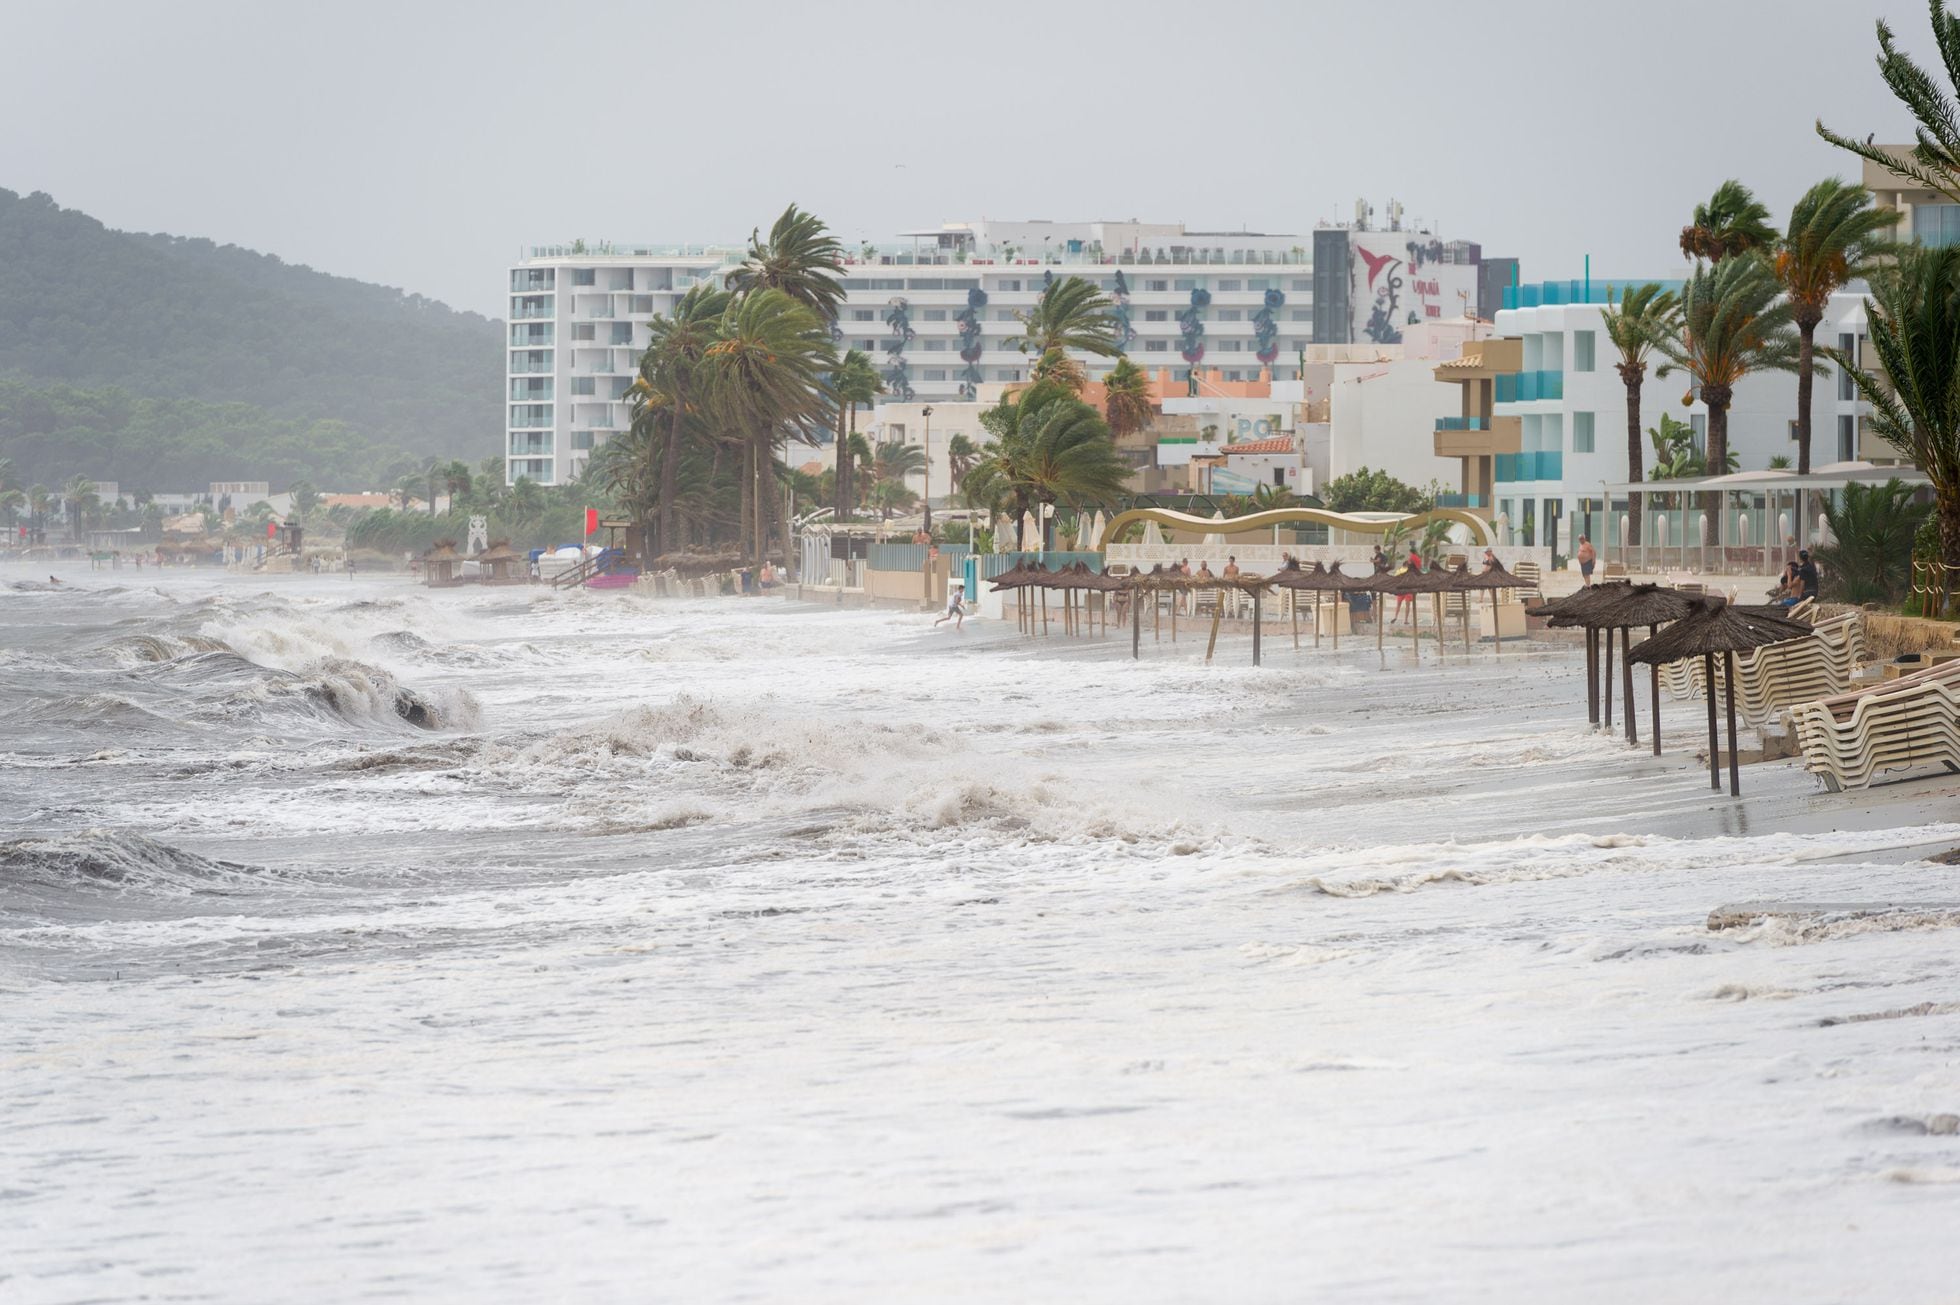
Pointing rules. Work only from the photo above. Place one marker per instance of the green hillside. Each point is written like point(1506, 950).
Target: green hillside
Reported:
point(170, 362)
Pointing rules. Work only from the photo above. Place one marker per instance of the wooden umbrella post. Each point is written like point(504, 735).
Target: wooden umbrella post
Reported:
point(1156, 616)
point(1468, 602)
point(1378, 620)
point(1293, 606)
point(1592, 676)
point(1728, 691)
point(1626, 671)
point(1255, 627)
point(1714, 735)
point(1217, 610)
point(1606, 696)
point(1136, 626)
point(1654, 725)
point(1044, 609)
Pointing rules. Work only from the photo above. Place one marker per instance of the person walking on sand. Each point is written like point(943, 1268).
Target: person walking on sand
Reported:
point(1586, 559)
point(954, 611)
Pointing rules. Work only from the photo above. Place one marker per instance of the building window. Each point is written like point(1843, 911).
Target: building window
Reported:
point(1156, 285)
point(1185, 283)
point(1848, 346)
point(935, 373)
point(1008, 285)
point(1699, 421)
point(1231, 315)
point(1259, 283)
point(1847, 434)
point(863, 315)
point(1232, 346)
point(583, 385)
point(1936, 225)
point(1156, 346)
point(935, 314)
point(1302, 315)
point(1302, 283)
point(1582, 351)
point(582, 331)
point(935, 346)
point(581, 441)
point(585, 276)
point(622, 332)
point(1156, 315)
point(1554, 433)
point(1228, 284)
point(1582, 430)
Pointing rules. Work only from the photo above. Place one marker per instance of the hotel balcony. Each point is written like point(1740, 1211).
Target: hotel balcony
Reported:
point(1529, 387)
point(1477, 437)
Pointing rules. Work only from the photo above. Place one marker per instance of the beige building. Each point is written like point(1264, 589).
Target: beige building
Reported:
point(1477, 435)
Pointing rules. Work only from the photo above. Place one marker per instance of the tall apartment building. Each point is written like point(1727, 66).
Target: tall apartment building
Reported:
point(939, 312)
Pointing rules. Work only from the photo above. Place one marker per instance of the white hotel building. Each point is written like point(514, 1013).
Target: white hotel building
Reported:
point(1557, 438)
point(939, 314)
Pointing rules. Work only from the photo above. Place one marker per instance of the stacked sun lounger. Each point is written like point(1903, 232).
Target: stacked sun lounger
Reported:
point(1854, 738)
point(1769, 680)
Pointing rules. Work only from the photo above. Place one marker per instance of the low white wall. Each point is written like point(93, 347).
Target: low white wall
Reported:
point(1355, 559)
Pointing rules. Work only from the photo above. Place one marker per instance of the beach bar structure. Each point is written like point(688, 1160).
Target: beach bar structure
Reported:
point(442, 566)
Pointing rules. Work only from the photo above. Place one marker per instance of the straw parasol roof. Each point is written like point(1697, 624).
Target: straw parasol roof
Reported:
point(1493, 576)
point(501, 551)
point(1311, 578)
point(1710, 625)
point(1014, 577)
point(1628, 605)
point(1407, 582)
point(444, 551)
point(1775, 611)
point(1577, 604)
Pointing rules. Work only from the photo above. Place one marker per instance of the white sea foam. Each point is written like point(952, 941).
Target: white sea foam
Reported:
point(817, 954)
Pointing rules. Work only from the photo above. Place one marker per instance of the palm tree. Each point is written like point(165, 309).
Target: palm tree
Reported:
point(1644, 315)
point(1126, 405)
point(1733, 221)
point(1835, 234)
point(674, 365)
point(1934, 162)
point(1733, 322)
point(79, 494)
point(11, 500)
point(38, 502)
point(457, 479)
point(889, 496)
point(305, 499)
point(1050, 448)
point(856, 382)
point(1071, 315)
point(801, 258)
point(961, 454)
point(1869, 558)
point(768, 376)
point(1914, 325)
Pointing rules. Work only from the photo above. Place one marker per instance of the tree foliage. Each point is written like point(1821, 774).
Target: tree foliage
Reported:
point(1869, 558)
point(1364, 490)
point(196, 354)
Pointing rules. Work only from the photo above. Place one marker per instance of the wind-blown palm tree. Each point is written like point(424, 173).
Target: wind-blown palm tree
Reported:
point(1732, 222)
point(458, 481)
point(856, 382)
point(38, 502)
point(961, 454)
point(1835, 234)
point(79, 494)
point(1869, 558)
point(1733, 322)
point(1050, 447)
point(1914, 328)
point(1126, 403)
point(893, 463)
point(801, 258)
point(1074, 315)
point(1644, 316)
point(1934, 161)
point(305, 499)
point(673, 365)
point(769, 377)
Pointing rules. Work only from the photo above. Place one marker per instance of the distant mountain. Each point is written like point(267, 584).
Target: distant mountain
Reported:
point(176, 361)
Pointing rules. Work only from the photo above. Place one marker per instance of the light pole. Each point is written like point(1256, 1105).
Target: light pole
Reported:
point(927, 414)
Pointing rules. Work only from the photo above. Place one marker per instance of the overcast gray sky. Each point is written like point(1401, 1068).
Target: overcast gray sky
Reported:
point(421, 143)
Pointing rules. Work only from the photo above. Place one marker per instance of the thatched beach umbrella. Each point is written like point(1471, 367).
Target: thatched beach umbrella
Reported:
point(1297, 580)
point(1015, 577)
point(1711, 626)
point(1406, 582)
point(1572, 610)
point(1652, 606)
point(1492, 579)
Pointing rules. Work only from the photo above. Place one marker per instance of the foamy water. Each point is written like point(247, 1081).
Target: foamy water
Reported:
point(362, 942)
